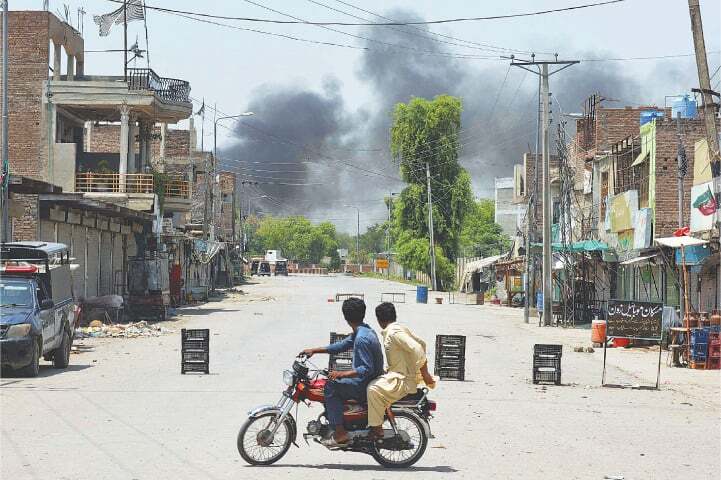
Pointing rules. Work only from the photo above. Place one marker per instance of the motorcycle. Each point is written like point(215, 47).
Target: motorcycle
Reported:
point(269, 431)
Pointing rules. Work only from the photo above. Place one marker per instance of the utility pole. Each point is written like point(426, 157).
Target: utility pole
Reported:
point(545, 146)
point(388, 235)
point(214, 182)
point(125, 40)
point(5, 199)
point(531, 216)
point(709, 114)
point(681, 159)
point(434, 286)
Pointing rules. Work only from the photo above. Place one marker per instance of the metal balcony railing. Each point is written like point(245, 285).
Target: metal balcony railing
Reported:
point(177, 189)
point(89, 182)
point(169, 89)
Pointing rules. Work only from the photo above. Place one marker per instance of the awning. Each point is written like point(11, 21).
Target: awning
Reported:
point(637, 259)
point(641, 158)
point(582, 246)
point(676, 242)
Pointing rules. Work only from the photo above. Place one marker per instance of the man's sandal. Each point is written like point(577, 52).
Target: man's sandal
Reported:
point(333, 444)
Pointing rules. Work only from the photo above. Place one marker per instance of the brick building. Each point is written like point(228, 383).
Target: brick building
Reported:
point(97, 200)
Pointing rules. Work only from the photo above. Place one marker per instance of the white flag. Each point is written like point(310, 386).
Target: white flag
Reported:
point(134, 11)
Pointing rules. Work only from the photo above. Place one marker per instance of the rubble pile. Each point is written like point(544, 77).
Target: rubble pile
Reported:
point(130, 330)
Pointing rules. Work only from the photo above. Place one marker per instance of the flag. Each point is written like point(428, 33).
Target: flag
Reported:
point(134, 11)
point(706, 203)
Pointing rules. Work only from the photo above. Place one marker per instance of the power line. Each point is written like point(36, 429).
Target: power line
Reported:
point(478, 44)
point(367, 39)
point(381, 24)
point(426, 35)
point(657, 57)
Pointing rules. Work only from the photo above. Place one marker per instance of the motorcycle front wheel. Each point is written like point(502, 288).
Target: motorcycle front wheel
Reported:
point(256, 443)
point(411, 429)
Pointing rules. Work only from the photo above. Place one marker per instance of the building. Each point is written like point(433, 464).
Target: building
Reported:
point(94, 191)
point(508, 214)
point(617, 192)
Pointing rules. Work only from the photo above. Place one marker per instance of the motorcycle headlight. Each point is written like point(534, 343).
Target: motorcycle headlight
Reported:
point(288, 378)
point(19, 330)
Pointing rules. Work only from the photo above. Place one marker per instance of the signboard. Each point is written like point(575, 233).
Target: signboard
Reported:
point(381, 263)
point(635, 320)
point(629, 319)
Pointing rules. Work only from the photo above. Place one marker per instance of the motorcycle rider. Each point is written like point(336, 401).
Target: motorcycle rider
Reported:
point(407, 367)
point(351, 384)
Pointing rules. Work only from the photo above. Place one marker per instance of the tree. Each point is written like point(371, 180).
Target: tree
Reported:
point(296, 237)
point(481, 235)
point(426, 132)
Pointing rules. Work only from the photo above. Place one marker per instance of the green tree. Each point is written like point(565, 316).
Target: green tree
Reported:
point(296, 237)
point(481, 235)
point(425, 132)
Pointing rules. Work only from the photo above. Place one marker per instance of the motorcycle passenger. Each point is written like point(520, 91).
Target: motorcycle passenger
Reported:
point(351, 384)
point(407, 367)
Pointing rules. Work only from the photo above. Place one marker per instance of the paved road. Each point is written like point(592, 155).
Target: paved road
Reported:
point(123, 411)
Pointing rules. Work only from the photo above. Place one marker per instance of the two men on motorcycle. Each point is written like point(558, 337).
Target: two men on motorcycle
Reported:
point(407, 367)
point(351, 384)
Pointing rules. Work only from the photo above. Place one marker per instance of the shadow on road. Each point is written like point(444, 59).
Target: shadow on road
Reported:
point(202, 311)
point(359, 468)
point(45, 371)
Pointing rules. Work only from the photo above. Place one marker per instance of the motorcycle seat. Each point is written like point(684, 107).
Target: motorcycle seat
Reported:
point(412, 398)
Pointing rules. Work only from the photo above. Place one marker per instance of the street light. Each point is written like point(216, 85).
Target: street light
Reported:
point(211, 191)
point(357, 238)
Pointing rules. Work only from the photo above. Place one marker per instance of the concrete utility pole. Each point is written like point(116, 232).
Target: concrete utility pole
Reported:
point(545, 146)
point(681, 160)
point(357, 238)
point(709, 113)
point(434, 285)
point(531, 220)
point(388, 234)
point(5, 199)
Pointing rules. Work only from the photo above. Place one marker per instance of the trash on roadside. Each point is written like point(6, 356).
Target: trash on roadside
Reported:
point(130, 330)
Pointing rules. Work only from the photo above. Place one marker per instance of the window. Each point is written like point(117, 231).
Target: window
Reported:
point(604, 194)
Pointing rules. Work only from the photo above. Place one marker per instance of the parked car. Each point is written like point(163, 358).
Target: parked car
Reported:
point(281, 268)
point(264, 269)
point(37, 307)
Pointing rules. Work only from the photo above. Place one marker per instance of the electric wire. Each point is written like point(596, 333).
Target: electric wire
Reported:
point(381, 24)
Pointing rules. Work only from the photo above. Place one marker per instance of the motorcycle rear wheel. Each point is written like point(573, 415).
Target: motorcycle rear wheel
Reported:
point(250, 440)
point(411, 424)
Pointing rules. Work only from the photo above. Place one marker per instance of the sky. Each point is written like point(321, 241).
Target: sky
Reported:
point(322, 112)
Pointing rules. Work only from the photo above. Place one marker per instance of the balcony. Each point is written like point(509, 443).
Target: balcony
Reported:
point(170, 90)
point(89, 182)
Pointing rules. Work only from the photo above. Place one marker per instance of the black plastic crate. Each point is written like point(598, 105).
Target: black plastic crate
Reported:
point(195, 357)
point(546, 349)
point(444, 341)
point(195, 367)
point(450, 373)
point(340, 361)
point(195, 334)
point(547, 375)
point(546, 361)
point(450, 362)
point(195, 350)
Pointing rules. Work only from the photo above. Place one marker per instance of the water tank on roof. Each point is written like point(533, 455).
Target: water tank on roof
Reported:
point(684, 107)
point(650, 115)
